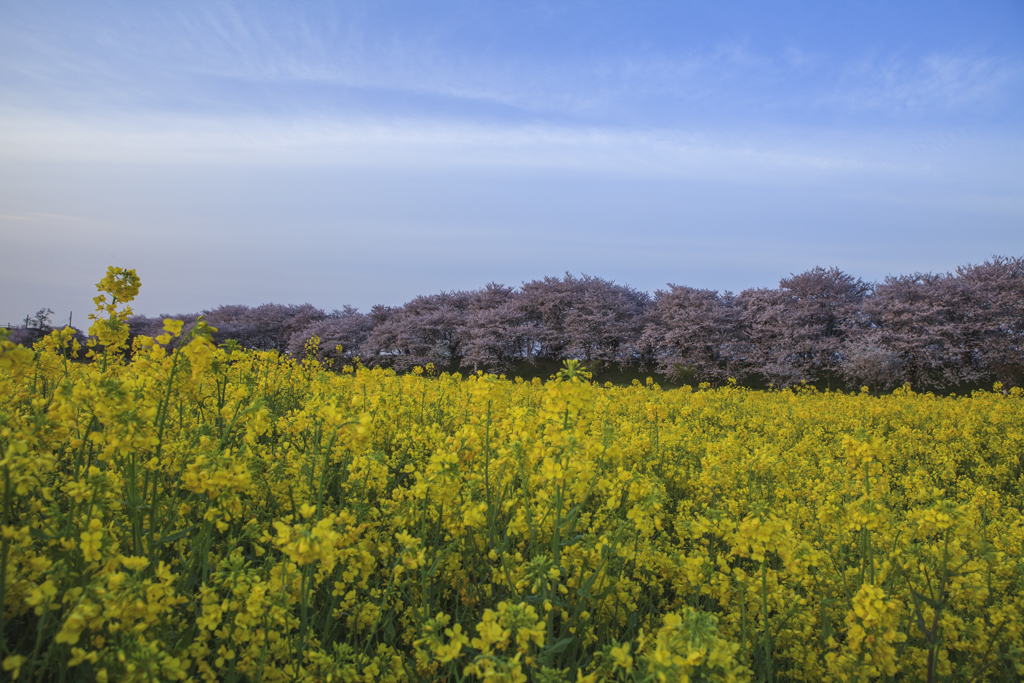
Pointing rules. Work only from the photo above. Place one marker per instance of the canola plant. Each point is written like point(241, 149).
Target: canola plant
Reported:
point(183, 512)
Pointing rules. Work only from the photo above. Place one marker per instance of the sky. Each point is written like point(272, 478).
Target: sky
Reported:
point(369, 152)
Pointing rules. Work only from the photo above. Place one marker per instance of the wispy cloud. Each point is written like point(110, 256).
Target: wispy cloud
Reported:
point(416, 144)
point(227, 58)
point(937, 81)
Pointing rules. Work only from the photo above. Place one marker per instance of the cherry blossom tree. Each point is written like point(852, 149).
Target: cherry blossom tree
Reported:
point(913, 316)
point(865, 359)
point(427, 329)
point(993, 316)
point(696, 334)
point(961, 327)
point(797, 331)
point(495, 333)
point(340, 335)
point(586, 317)
point(265, 327)
point(545, 304)
point(607, 321)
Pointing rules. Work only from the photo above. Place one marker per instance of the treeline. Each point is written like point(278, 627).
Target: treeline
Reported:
point(933, 331)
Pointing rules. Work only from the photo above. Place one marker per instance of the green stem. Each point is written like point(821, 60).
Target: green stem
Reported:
point(4, 549)
point(764, 612)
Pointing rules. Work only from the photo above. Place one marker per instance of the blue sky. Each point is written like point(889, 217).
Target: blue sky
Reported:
point(360, 153)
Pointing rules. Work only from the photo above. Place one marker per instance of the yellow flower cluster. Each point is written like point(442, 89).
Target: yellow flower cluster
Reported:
point(179, 511)
point(872, 634)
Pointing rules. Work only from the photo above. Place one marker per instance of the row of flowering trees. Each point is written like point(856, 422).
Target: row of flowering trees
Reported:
point(927, 330)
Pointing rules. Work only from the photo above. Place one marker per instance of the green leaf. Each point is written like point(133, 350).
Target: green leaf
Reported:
point(175, 536)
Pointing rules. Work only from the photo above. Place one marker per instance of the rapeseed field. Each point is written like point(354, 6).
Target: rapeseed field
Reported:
point(183, 512)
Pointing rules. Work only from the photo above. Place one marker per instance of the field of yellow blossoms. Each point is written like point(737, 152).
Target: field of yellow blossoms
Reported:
point(209, 514)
